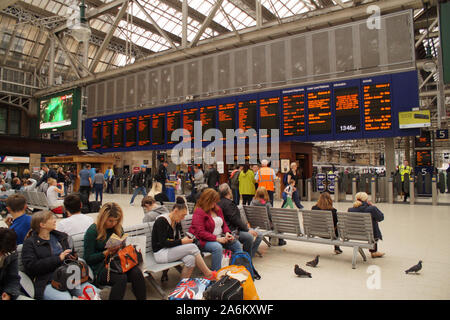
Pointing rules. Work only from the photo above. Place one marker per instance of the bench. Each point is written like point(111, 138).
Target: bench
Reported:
point(25, 281)
point(257, 217)
point(190, 206)
point(36, 199)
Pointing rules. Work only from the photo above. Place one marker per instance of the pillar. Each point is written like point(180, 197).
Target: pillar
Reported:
point(389, 155)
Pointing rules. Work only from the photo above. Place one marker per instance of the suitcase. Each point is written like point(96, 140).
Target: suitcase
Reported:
point(94, 206)
point(225, 289)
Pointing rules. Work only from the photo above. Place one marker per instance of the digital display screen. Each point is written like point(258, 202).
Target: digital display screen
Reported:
point(227, 118)
point(424, 141)
point(118, 133)
point(130, 126)
point(159, 130)
point(347, 111)
point(377, 107)
point(247, 115)
point(423, 158)
point(189, 116)
point(319, 112)
point(173, 123)
point(294, 115)
point(107, 134)
point(268, 113)
point(144, 130)
point(208, 117)
point(96, 135)
point(56, 112)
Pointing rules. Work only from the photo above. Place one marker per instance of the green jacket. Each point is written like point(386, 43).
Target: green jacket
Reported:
point(247, 182)
point(93, 249)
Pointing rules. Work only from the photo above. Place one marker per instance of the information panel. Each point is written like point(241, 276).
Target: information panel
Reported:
point(130, 126)
point(107, 134)
point(189, 116)
point(158, 126)
point(424, 140)
point(96, 135)
point(423, 158)
point(173, 123)
point(268, 113)
point(294, 114)
point(144, 130)
point(319, 112)
point(347, 111)
point(118, 133)
point(377, 107)
point(208, 118)
point(227, 118)
point(247, 115)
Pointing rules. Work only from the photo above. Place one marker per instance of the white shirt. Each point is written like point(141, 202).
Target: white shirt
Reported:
point(52, 196)
point(77, 223)
point(218, 223)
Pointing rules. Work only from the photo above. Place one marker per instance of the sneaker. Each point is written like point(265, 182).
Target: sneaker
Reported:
point(282, 242)
point(377, 254)
point(338, 251)
point(213, 276)
point(132, 204)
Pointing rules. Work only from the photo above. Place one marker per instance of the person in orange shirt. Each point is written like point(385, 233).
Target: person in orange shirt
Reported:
point(265, 177)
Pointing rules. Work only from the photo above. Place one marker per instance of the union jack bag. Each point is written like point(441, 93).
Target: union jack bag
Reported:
point(190, 289)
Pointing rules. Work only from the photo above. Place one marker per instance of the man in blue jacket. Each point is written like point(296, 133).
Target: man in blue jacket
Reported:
point(19, 222)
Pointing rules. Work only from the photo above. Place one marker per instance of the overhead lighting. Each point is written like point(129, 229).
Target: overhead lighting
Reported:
point(81, 31)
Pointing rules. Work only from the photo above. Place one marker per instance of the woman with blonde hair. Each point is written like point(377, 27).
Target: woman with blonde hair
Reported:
point(325, 203)
point(109, 221)
point(363, 205)
point(43, 252)
point(210, 228)
point(261, 198)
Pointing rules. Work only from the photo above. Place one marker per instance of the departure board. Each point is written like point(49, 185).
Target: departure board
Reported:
point(377, 107)
point(423, 158)
point(294, 114)
point(247, 115)
point(319, 112)
point(424, 140)
point(189, 116)
point(144, 130)
point(208, 117)
point(158, 127)
point(269, 114)
point(96, 135)
point(173, 123)
point(130, 126)
point(107, 134)
point(347, 111)
point(227, 118)
point(118, 133)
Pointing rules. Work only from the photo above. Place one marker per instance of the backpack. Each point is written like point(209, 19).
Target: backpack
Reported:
point(234, 181)
point(242, 258)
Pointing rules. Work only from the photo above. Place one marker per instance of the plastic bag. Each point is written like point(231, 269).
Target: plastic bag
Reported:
point(89, 294)
point(226, 256)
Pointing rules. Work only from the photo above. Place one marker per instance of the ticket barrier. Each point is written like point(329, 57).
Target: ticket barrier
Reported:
point(412, 191)
point(311, 190)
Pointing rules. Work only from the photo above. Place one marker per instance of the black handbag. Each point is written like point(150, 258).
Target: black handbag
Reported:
point(67, 273)
point(225, 289)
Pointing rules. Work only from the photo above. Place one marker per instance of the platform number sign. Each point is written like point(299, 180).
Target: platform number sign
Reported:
point(442, 134)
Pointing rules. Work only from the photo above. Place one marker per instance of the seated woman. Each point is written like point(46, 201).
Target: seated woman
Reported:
point(109, 221)
point(168, 246)
point(44, 250)
point(152, 209)
point(363, 205)
point(210, 228)
point(52, 194)
point(326, 203)
point(250, 238)
point(157, 194)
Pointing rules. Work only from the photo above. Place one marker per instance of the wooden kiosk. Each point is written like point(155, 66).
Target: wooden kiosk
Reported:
point(101, 162)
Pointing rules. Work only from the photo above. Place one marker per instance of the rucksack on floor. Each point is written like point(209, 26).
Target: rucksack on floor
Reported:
point(242, 258)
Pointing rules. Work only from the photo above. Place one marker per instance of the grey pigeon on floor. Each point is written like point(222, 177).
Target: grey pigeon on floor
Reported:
point(313, 263)
point(300, 272)
point(415, 268)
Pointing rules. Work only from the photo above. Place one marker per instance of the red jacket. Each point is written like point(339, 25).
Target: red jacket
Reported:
point(203, 225)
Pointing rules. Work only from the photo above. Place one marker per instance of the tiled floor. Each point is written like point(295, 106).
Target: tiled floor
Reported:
point(411, 233)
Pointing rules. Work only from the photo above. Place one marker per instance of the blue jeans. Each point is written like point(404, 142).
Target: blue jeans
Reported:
point(216, 249)
point(51, 293)
point(236, 196)
point(250, 245)
point(137, 191)
point(98, 191)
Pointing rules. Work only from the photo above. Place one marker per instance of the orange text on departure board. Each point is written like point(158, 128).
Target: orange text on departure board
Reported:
point(377, 107)
point(294, 115)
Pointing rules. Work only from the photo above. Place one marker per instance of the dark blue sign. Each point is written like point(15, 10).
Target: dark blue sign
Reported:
point(442, 134)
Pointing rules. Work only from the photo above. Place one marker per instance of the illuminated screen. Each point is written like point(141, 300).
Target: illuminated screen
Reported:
point(247, 115)
point(347, 112)
point(173, 123)
point(319, 112)
point(144, 130)
point(107, 134)
point(130, 127)
point(208, 117)
point(424, 141)
point(189, 116)
point(377, 107)
point(268, 112)
point(423, 158)
point(294, 115)
point(56, 112)
point(158, 126)
point(96, 135)
point(227, 118)
point(118, 133)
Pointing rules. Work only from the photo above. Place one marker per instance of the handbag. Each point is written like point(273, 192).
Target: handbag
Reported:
point(241, 274)
point(225, 289)
point(64, 276)
point(124, 260)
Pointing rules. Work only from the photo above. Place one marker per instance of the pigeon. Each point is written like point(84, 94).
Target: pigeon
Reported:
point(313, 263)
point(415, 268)
point(300, 272)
